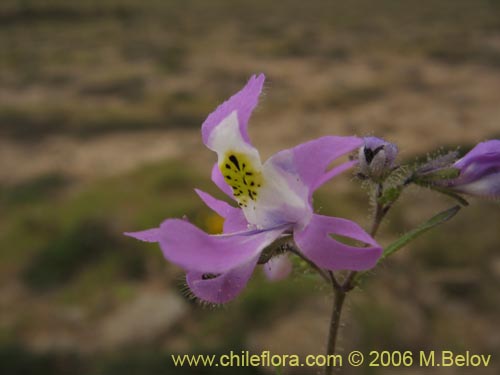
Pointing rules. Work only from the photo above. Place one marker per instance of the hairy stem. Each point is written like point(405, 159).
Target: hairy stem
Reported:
point(340, 290)
point(293, 249)
point(338, 302)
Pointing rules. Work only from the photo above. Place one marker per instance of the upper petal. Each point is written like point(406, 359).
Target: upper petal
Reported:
point(316, 244)
point(242, 103)
point(491, 147)
point(221, 288)
point(225, 132)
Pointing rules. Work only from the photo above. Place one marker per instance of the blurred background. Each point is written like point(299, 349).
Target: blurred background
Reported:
point(101, 104)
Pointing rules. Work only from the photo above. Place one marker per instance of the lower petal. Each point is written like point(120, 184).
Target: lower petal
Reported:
point(221, 288)
point(316, 244)
point(218, 180)
point(192, 249)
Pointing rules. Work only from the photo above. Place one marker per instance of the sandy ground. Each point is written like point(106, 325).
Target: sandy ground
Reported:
point(421, 106)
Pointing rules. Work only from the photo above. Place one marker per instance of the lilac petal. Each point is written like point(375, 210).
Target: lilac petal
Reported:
point(483, 148)
point(235, 222)
point(222, 208)
point(334, 172)
point(243, 102)
point(218, 180)
point(277, 268)
point(479, 171)
point(223, 287)
point(310, 160)
point(149, 235)
point(316, 244)
point(487, 186)
point(192, 249)
point(234, 219)
point(478, 167)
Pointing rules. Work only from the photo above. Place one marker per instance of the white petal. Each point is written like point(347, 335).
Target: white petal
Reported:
point(283, 198)
point(238, 162)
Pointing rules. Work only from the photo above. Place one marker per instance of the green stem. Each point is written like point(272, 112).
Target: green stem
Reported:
point(322, 272)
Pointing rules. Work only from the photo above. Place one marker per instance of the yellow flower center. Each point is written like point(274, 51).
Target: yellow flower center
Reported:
point(242, 176)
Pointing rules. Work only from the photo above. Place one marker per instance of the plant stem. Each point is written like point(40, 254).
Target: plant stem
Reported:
point(340, 290)
point(290, 247)
point(338, 302)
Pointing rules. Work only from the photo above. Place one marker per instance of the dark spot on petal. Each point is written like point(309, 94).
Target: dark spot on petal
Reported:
point(208, 276)
point(228, 177)
point(235, 161)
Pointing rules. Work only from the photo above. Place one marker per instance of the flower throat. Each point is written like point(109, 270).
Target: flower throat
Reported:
point(244, 179)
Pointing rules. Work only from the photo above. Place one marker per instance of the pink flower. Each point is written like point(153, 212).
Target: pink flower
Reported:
point(274, 199)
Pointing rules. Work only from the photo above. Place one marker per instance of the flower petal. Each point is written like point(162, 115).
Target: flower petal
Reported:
point(334, 172)
point(282, 197)
point(221, 288)
point(234, 219)
point(317, 245)
point(487, 186)
point(189, 247)
point(483, 148)
point(277, 268)
point(290, 177)
point(218, 180)
point(309, 160)
point(243, 103)
point(148, 235)
point(222, 208)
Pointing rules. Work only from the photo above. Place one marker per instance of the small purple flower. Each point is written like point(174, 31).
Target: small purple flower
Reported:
point(274, 199)
point(479, 171)
point(376, 158)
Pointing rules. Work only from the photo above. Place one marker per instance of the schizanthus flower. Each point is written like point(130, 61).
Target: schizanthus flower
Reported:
point(274, 199)
point(479, 171)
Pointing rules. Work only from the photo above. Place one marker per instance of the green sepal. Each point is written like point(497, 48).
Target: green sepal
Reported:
point(390, 195)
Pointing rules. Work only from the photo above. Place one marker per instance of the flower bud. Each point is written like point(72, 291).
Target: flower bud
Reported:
point(479, 171)
point(376, 158)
